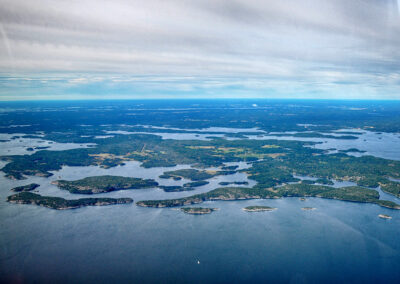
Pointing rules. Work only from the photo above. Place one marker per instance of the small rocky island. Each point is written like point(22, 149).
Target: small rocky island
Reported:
point(28, 187)
point(384, 216)
point(258, 208)
point(100, 184)
point(308, 208)
point(197, 210)
point(61, 203)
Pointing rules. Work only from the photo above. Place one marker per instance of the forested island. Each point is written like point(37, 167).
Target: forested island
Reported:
point(225, 183)
point(28, 187)
point(100, 184)
point(194, 175)
point(353, 194)
point(175, 188)
point(273, 164)
point(61, 203)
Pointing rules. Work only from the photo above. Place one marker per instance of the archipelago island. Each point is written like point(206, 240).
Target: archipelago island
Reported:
point(274, 152)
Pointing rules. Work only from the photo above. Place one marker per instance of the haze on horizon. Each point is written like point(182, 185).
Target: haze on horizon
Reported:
point(199, 49)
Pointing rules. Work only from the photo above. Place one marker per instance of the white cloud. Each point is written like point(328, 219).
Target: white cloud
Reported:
point(305, 43)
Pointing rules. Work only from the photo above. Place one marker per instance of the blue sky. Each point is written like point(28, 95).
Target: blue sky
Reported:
point(193, 49)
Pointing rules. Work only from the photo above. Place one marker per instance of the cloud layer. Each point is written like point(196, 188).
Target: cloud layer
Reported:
point(232, 48)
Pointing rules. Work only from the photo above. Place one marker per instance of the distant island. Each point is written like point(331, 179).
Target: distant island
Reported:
point(308, 208)
point(61, 203)
point(354, 150)
point(100, 184)
point(258, 208)
point(224, 183)
point(186, 187)
point(28, 187)
point(197, 210)
point(175, 188)
point(196, 183)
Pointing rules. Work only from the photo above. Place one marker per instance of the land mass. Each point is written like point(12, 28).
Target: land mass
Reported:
point(352, 193)
point(308, 208)
point(28, 187)
point(196, 183)
point(197, 210)
point(100, 184)
point(258, 208)
point(384, 216)
point(224, 183)
point(193, 174)
point(175, 188)
point(61, 203)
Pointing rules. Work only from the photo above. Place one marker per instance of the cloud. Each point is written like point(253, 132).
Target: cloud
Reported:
point(289, 48)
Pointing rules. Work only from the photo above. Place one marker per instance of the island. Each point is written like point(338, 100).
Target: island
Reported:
point(100, 184)
point(308, 208)
point(229, 168)
point(61, 203)
point(193, 174)
point(175, 188)
point(224, 183)
point(28, 187)
point(272, 165)
point(196, 183)
point(258, 208)
point(197, 210)
point(384, 216)
point(352, 150)
point(350, 193)
point(324, 181)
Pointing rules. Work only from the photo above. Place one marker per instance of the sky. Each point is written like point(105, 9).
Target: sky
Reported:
point(120, 49)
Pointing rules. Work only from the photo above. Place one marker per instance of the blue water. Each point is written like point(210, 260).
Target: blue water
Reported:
point(338, 241)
